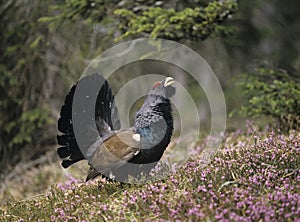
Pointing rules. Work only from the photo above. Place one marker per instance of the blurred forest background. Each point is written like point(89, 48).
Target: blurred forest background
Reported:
point(252, 46)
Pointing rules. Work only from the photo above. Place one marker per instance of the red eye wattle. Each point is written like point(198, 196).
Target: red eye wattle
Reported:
point(155, 85)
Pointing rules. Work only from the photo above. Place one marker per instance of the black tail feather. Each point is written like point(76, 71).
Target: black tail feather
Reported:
point(62, 152)
point(106, 110)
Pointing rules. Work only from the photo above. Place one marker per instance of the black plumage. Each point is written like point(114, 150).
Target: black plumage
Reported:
point(118, 153)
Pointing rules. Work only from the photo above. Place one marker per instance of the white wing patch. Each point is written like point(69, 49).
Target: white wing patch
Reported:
point(136, 137)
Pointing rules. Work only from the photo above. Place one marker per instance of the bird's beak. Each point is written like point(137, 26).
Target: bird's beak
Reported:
point(168, 81)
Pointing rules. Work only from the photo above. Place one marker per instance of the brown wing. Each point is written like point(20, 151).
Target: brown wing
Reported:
point(113, 153)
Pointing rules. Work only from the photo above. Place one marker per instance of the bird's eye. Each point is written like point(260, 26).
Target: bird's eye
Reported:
point(155, 85)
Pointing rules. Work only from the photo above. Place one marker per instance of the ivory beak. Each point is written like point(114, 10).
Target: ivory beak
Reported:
point(168, 81)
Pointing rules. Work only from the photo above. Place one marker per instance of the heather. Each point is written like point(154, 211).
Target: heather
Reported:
point(254, 175)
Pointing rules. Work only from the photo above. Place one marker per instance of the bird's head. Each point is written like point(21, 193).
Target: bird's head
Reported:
point(163, 89)
point(158, 102)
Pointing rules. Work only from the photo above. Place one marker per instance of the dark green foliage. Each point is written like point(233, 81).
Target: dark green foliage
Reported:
point(22, 129)
point(193, 20)
point(273, 92)
point(189, 23)
point(89, 11)
point(21, 66)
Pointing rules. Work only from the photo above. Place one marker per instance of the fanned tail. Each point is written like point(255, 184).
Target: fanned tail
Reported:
point(106, 117)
